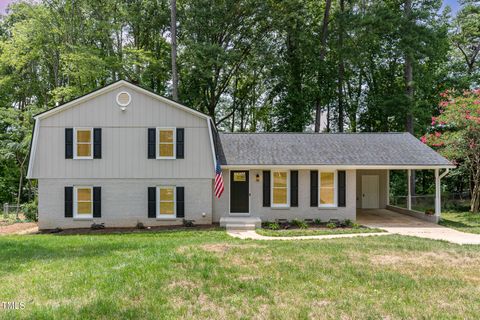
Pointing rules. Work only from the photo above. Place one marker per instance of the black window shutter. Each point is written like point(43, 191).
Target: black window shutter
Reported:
point(180, 143)
point(266, 188)
point(180, 202)
point(313, 188)
point(68, 143)
point(68, 202)
point(341, 189)
point(152, 202)
point(151, 143)
point(294, 188)
point(97, 202)
point(97, 143)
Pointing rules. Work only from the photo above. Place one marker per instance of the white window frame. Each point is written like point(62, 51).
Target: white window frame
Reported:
point(75, 156)
point(273, 205)
point(165, 216)
point(335, 189)
point(157, 142)
point(75, 201)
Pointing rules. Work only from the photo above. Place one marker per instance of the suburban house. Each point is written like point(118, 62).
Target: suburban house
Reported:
point(122, 155)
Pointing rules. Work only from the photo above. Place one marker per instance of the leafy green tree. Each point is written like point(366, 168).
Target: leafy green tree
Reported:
point(455, 133)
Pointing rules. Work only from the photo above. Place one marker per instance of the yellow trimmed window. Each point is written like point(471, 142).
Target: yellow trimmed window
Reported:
point(83, 138)
point(166, 143)
point(327, 188)
point(280, 188)
point(166, 201)
point(84, 202)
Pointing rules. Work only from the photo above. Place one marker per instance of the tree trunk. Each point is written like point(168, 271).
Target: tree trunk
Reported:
point(341, 71)
point(19, 193)
point(409, 90)
point(323, 44)
point(173, 31)
point(408, 75)
point(475, 202)
point(318, 115)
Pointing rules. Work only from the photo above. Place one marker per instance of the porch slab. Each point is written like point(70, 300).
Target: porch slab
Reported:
point(240, 223)
point(397, 223)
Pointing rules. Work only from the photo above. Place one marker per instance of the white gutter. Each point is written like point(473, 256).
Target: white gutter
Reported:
point(332, 166)
point(444, 173)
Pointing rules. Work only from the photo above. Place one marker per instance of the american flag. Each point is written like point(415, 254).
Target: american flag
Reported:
point(219, 187)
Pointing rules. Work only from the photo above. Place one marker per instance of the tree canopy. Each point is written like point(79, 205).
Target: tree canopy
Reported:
point(349, 65)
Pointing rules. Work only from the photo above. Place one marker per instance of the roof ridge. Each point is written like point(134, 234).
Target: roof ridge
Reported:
point(312, 133)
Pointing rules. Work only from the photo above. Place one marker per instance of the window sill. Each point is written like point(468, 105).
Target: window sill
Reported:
point(82, 219)
point(83, 158)
point(169, 219)
point(280, 208)
point(166, 158)
point(328, 208)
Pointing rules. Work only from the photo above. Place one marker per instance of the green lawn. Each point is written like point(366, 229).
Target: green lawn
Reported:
point(313, 232)
point(207, 274)
point(463, 221)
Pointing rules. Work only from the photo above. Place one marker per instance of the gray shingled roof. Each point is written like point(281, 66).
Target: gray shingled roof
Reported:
point(394, 149)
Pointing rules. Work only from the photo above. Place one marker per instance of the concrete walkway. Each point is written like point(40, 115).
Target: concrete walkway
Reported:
point(392, 222)
point(404, 225)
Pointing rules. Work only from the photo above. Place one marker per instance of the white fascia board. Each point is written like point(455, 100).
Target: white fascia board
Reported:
point(346, 167)
point(33, 149)
point(212, 145)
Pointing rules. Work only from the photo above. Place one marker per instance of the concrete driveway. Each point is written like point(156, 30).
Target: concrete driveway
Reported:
point(405, 225)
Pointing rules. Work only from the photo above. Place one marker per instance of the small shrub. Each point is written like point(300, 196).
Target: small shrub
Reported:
point(300, 224)
point(188, 223)
point(30, 210)
point(336, 222)
point(356, 226)
point(331, 225)
point(140, 225)
point(348, 222)
point(317, 221)
point(97, 226)
point(265, 224)
point(273, 226)
point(284, 224)
point(429, 212)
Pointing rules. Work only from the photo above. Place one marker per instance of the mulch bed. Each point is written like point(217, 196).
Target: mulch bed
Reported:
point(129, 230)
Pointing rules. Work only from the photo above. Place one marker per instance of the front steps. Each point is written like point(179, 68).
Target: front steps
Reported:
point(240, 223)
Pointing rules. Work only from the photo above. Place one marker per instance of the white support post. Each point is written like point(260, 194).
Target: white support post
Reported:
point(388, 187)
point(409, 196)
point(438, 194)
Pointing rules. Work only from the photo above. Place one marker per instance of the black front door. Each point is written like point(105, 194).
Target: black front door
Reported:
point(239, 193)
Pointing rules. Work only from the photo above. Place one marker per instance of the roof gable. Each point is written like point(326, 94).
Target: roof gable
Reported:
point(111, 87)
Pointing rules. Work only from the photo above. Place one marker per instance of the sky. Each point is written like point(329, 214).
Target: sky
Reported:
point(452, 3)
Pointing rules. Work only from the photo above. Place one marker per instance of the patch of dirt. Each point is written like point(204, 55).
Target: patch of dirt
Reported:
point(184, 284)
point(424, 259)
point(19, 228)
point(224, 247)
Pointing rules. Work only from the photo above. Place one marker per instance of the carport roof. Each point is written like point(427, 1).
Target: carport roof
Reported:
point(326, 149)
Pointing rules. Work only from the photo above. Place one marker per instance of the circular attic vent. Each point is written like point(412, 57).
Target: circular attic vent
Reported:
point(123, 99)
